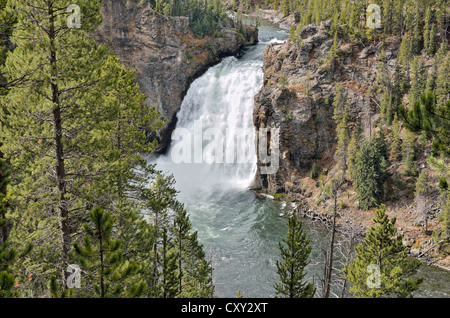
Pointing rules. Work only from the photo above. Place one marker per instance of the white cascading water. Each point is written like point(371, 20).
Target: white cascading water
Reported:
point(213, 159)
point(217, 110)
point(213, 144)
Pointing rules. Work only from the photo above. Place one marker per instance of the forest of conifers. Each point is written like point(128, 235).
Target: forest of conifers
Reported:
point(76, 188)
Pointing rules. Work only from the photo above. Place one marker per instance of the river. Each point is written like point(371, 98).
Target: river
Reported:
point(239, 231)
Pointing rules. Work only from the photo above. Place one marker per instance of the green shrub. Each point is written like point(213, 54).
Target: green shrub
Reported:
point(315, 170)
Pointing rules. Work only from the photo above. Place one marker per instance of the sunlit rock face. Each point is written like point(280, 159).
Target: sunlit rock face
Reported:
point(297, 96)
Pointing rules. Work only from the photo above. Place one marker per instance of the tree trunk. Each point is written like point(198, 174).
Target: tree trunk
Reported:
point(329, 266)
point(59, 149)
point(180, 278)
point(102, 261)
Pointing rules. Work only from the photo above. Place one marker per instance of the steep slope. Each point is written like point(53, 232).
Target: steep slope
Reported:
point(302, 109)
point(299, 87)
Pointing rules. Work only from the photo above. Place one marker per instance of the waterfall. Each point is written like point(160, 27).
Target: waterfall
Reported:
point(212, 156)
point(213, 145)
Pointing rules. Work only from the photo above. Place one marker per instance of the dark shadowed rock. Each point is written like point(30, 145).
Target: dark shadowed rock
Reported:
point(297, 17)
point(308, 31)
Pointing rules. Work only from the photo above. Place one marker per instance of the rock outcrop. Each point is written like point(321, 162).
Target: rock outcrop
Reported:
point(278, 18)
point(297, 96)
point(164, 53)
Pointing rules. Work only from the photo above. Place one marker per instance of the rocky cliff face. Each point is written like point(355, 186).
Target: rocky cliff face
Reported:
point(278, 18)
point(164, 53)
point(297, 97)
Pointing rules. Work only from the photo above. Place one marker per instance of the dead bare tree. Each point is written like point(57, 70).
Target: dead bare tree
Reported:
point(337, 248)
point(350, 237)
point(333, 192)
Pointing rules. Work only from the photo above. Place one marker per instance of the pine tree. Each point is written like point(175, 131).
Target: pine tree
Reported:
point(201, 282)
point(384, 81)
point(370, 171)
point(167, 217)
point(291, 270)
point(52, 117)
point(422, 185)
point(431, 82)
point(444, 218)
point(431, 41)
point(158, 200)
point(136, 237)
point(7, 254)
point(126, 125)
point(443, 85)
point(316, 12)
point(398, 17)
point(387, 15)
point(292, 33)
point(194, 272)
point(339, 103)
point(332, 54)
point(418, 78)
point(74, 132)
point(416, 44)
point(399, 88)
point(351, 154)
point(169, 276)
point(405, 53)
point(441, 19)
point(409, 153)
point(354, 28)
point(440, 55)
point(386, 107)
point(426, 116)
point(408, 9)
point(101, 255)
point(427, 29)
point(380, 147)
point(382, 255)
point(396, 143)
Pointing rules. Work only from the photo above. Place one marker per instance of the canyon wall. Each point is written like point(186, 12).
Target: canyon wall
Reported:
point(164, 53)
point(297, 96)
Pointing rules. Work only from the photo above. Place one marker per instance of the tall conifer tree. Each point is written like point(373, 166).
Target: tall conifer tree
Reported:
point(291, 269)
point(382, 267)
